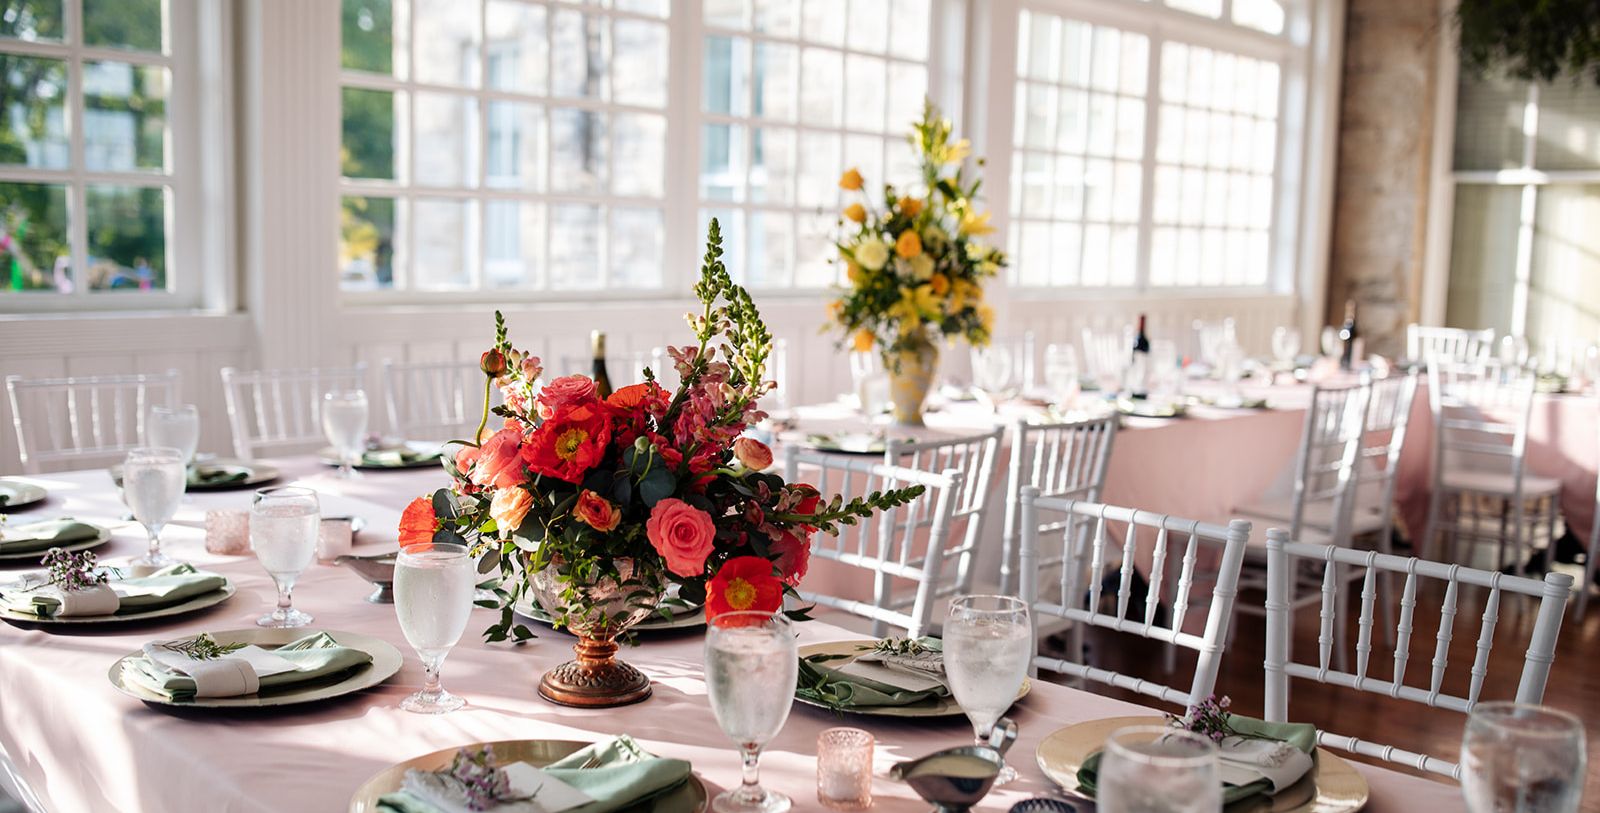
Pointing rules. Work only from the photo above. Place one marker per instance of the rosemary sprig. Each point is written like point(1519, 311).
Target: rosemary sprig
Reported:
point(202, 647)
point(898, 646)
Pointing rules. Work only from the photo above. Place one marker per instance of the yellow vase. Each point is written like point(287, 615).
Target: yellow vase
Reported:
point(910, 379)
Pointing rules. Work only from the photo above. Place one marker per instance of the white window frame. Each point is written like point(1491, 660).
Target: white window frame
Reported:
point(198, 220)
point(1303, 186)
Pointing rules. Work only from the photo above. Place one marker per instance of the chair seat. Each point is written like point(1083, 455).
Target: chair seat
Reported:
point(1500, 484)
point(1279, 512)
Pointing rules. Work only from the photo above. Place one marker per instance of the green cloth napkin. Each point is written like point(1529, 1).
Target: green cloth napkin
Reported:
point(316, 656)
point(44, 535)
point(820, 684)
point(396, 457)
point(213, 475)
point(1300, 735)
point(624, 774)
point(170, 585)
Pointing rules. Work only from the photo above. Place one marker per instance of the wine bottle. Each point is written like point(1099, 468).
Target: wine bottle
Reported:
point(1138, 381)
point(602, 381)
point(1348, 335)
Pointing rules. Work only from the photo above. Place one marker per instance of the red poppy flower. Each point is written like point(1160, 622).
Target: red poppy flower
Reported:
point(418, 522)
point(744, 583)
point(569, 444)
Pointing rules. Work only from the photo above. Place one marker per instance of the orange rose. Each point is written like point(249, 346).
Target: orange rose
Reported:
point(940, 284)
point(508, 508)
point(909, 206)
point(418, 522)
point(596, 511)
point(908, 245)
point(856, 212)
point(864, 340)
point(682, 534)
point(568, 390)
point(755, 455)
point(851, 179)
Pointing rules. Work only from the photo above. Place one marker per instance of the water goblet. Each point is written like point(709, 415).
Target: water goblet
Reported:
point(283, 531)
point(751, 670)
point(153, 481)
point(344, 421)
point(433, 585)
point(1061, 374)
point(1157, 769)
point(988, 644)
point(1518, 758)
point(993, 374)
point(175, 427)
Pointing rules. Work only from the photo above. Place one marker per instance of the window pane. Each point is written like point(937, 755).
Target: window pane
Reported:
point(1209, 8)
point(34, 252)
point(574, 246)
point(824, 21)
point(771, 249)
point(722, 162)
point(774, 80)
point(516, 147)
point(446, 143)
point(369, 133)
point(775, 17)
point(639, 70)
point(635, 248)
point(443, 238)
point(1489, 122)
point(513, 244)
point(132, 24)
point(868, 29)
point(640, 154)
point(820, 91)
point(127, 237)
point(33, 118)
point(1263, 15)
point(578, 55)
point(447, 51)
point(366, 243)
point(725, 76)
point(725, 13)
point(864, 93)
point(819, 170)
point(369, 38)
point(518, 48)
point(908, 33)
point(1566, 264)
point(772, 166)
point(1569, 125)
point(124, 116)
point(1483, 256)
point(32, 20)
point(577, 151)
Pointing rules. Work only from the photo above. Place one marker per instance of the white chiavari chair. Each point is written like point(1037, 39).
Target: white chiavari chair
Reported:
point(977, 457)
point(1284, 561)
point(911, 542)
point(1591, 563)
point(433, 400)
point(281, 410)
point(67, 422)
point(1061, 460)
point(1077, 596)
point(624, 369)
point(1451, 344)
point(1480, 423)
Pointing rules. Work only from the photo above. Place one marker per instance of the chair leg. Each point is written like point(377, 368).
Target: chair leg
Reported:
point(1425, 542)
point(1523, 538)
point(1500, 558)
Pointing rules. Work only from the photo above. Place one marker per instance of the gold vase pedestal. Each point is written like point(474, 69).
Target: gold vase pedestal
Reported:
point(909, 384)
point(596, 678)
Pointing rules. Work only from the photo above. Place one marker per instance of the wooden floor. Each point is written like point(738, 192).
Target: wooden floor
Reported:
point(1574, 680)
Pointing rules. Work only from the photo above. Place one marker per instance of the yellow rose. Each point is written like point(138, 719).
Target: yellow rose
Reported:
point(909, 206)
point(975, 224)
point(872, 254)
point(908, 245)
point(856, 212)
point(851, 180)
point(864, 340)
point(921, 267)
point(940, 284)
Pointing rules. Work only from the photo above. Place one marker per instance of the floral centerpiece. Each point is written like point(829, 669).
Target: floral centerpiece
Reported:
point(914, 268)
point(594, 506)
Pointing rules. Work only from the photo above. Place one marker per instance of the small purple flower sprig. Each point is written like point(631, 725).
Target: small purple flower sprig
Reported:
point(485, 784)
point(1208, 718)
point(74, 571)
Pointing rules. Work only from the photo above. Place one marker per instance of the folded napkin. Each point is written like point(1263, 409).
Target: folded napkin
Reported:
point(1265, 758)
point(170, 585)
point(620, 774)
point(397, 456)
point(45, 535)
point(866, 685)
point(214, 474)
point(314, 656)
point(236, 673)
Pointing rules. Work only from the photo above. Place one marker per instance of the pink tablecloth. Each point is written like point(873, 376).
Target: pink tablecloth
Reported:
point(78, 745)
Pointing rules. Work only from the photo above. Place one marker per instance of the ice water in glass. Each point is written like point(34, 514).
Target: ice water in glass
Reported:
point(174, 427)
point(153, 481)
point(1522, 759)
point(283, 532)
point(1061, 374)
point(1156, 769)
point(344, 421)
point(988, 643)
point(433, 587)
point(751, 670)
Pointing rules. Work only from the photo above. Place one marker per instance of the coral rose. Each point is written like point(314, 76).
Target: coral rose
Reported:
point(499, 460)
point(564, 392)
point(754, 454)
point(596, 511)
point(791, 550)
point(744, 583)
point(682, 534)
point(508, 508)
point(418, 522)
point(569, 443)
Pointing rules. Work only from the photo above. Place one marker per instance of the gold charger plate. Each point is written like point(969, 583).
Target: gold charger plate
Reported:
point(27, 494)
point(1333, 786)
point(689, 797)
point(256, 474)
point(328, 456)
point(386, 661)
point(935, 707)
point(34, 557)
point(199, 602)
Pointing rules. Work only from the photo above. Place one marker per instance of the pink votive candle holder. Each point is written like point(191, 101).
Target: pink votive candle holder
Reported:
point(844, 769)
point(334, 539)
point(228, 531)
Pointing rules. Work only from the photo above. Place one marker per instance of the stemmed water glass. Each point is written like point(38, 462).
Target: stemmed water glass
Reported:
point(993, 375)
point(1061, 374)
point(344, 421)
point(1285, 348)
point(283, 532)
point(751, 670)
point(988, 644)
point(1157, 769)
point(433, 597)
point(153, 481)
point(1518, 758)
point(176, 427)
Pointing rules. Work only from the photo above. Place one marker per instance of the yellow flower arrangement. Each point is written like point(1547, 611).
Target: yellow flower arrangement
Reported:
point(914, 266)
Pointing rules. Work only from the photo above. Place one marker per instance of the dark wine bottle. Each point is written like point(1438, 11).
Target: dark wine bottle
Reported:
point(602, 381)
point(1348, 334)
point(1138, 384)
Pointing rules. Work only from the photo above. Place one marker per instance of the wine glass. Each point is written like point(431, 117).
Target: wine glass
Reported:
point(751, 670)
point(153, 481)
point(283, 532)
point(433, 588)
point(993, 374)
point(1285, 346)
point(1158, 769)
point(988, 645)
point(1518, 758)
point(176, 427)
point(1061, 374)
point(344, 421)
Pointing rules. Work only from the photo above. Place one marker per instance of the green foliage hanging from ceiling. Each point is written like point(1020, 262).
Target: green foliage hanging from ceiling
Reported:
point(1535, 40)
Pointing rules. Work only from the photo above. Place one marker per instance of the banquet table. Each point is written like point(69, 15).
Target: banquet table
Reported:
point(71, 742)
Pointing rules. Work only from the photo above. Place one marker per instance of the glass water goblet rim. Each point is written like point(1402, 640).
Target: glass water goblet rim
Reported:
point(1526, 719)
point(1206, 748)
point(175, 409)
point(284, 491)
point(969, 604)
point(155, 453)
point(740, 619)
point(452, 551)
